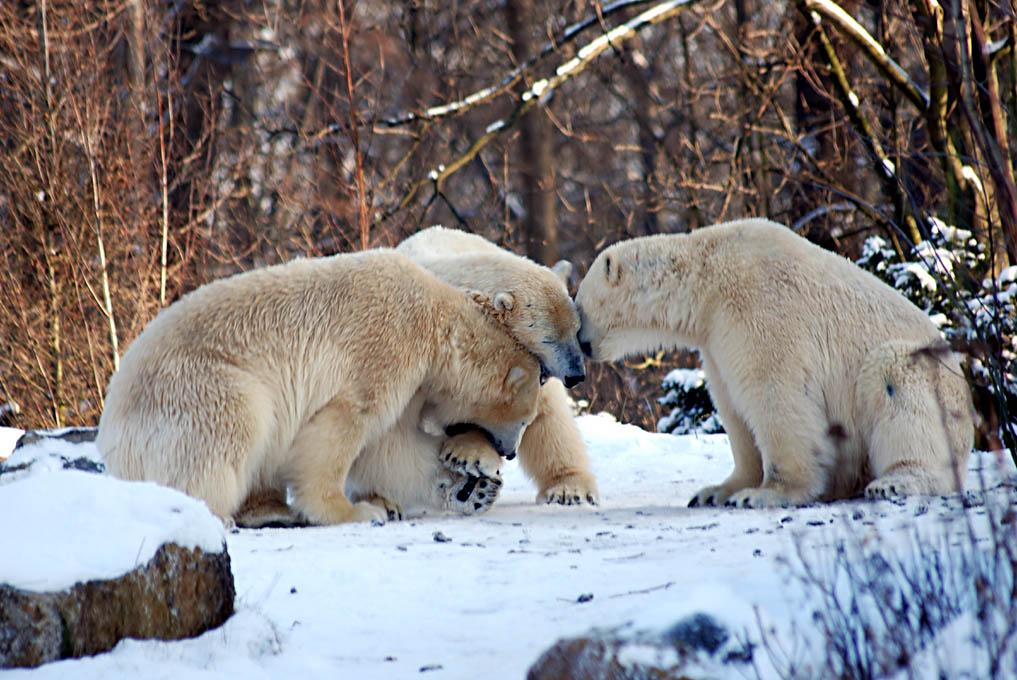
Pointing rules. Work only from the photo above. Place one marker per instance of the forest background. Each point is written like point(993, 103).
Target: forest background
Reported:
point(147, 148)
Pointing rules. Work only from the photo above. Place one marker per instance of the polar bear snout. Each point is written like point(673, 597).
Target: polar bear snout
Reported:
point(561, 357)
point(573, 380)
point(575, 367)
point(583, 334)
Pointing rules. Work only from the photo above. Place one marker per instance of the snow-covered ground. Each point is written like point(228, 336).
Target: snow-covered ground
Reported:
point(458, 597)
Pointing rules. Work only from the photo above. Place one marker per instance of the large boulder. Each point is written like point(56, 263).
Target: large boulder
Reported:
point(179, 593)
point(88, 560)
point(696, 647)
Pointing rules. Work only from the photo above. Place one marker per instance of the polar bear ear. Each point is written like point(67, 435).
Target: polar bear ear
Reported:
point(429, 422)
point(612, 270)
point(503, 302)
point(517, 377)
point(563, 269)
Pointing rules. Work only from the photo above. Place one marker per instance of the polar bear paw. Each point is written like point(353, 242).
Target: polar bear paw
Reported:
point(469, 494)
point(710, 496)
point(760, 497)
point(471, 454)
point(895, 486)
point(368, 512)
point(267, 508)
point(392, 510)
point(574, 489)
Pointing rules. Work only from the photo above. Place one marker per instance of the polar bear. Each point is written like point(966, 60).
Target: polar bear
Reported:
point(410, 466)
point(827, 380)
point(280, 377)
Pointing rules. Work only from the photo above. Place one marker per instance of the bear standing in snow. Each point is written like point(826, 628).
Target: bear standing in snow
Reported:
point(279, 377)
point(827, 380)
point(407, 467)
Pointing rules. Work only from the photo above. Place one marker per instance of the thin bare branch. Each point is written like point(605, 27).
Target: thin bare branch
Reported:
point(542, 89)
point(871, 48)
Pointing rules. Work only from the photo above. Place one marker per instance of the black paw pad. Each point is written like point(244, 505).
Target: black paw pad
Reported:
point(464, 493)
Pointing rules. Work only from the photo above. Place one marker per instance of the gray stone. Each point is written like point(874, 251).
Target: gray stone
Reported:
point(72, 435)
point(179, 593)
point(695, 647)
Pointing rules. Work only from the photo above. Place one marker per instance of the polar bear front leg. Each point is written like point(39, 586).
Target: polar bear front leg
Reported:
point(553, 453)
point(798, 456)
point(748, 462)
point(319, 459)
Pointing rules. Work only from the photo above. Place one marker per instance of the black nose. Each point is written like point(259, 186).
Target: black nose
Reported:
point(573, 380)
point(585, 348)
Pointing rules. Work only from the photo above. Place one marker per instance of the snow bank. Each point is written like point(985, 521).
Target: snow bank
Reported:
point(66, 526)
point(381, 602)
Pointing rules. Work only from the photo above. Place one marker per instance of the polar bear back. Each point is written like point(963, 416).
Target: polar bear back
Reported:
point(737, 277)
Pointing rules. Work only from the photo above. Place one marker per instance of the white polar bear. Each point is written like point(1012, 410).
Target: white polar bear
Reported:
point(410, 466)
point(280, 377)
point(827, 380)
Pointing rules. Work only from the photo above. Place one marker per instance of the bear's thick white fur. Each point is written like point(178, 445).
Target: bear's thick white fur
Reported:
point(827, 380)
point(281, 376)
point(410, 466)
point(533, 300)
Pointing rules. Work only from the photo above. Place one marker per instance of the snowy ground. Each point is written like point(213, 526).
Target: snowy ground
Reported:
point(457, 597)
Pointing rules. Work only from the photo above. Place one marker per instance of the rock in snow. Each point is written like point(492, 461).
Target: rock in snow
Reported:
point(696, 646)
point(120, 559)
point(179, 593)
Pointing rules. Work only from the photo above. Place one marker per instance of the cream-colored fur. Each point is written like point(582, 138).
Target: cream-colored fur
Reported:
point(280, 377)
point(533, 300)
point(827, 380)
point(410, 466)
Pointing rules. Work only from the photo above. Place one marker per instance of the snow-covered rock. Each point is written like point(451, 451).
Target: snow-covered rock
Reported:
point(698, 646)
point(87, 559)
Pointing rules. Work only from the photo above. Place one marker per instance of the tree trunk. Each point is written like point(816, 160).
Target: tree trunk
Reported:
point(537, 165)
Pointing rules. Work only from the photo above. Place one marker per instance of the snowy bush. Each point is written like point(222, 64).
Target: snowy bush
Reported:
point(692, 411)
point(977, 316)
point(937, 604)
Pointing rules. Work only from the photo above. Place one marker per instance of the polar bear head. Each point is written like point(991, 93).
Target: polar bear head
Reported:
point(535, 306)
point(637, 298)
point(530, 300)
point(490, 385)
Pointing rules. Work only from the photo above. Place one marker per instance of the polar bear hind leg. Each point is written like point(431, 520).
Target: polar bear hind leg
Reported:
point(921, 425)
point(226, 428)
